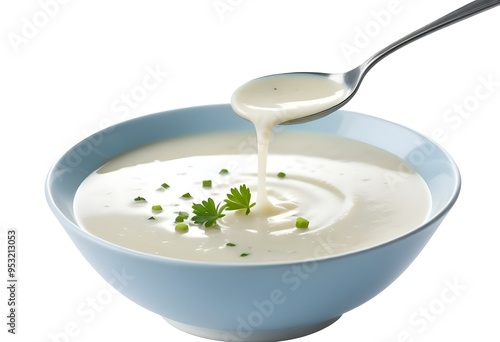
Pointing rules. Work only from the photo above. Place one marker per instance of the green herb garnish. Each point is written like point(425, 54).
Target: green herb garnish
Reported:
point(187, 195)
point(223, 172)
point(301, 223)
point(139, 199)
point(156, 208)
point(244, 254)
point(181, 227)
point(230, 244)
point(182, 215)
point(207, 183)
point(281, 174)
point(165, 186)
point(151, 218)
point(207, 212)
point(239, 199)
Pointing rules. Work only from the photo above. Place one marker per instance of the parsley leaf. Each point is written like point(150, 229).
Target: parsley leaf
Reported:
point(207, 213)
point(239, 199)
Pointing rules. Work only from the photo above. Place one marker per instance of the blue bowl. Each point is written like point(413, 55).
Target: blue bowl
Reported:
point(250, 302)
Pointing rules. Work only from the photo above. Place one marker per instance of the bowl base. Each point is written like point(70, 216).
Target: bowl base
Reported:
point(251, 336)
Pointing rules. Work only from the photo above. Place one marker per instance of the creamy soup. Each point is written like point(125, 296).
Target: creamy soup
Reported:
point(344, 188)
point(272, 100)
point(283, 97)
point(315, 195)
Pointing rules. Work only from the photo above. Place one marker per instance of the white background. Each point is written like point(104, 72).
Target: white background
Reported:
point(66, 66)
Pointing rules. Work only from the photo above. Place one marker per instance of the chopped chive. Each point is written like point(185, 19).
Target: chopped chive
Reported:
point(157, 207)
point(244, 254)
point(301, 223)
point(186, 195)
point(181, 216)
point(139, 199)
point(151, 218)
point(281, 174)
point(230, 244)
point(181, 227)
point(223, 172)
point(165, 186)
point(207, 183)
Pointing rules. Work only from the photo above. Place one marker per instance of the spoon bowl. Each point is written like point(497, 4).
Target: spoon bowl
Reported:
point(300, 97)
point(350, 82)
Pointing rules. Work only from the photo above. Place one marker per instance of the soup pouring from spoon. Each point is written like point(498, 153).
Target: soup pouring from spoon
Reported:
point(299, 97)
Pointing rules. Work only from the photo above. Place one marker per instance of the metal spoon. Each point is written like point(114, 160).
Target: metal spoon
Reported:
point(300, 109)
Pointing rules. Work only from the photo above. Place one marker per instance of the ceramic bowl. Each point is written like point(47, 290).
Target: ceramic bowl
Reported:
point(250, 302)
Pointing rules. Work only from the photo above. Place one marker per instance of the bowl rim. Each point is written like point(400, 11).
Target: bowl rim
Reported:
point(166, 259)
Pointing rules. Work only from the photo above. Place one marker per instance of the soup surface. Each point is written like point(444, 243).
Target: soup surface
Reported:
point(354, 196)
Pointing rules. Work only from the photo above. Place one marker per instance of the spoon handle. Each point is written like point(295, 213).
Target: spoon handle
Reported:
point(463, 12)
